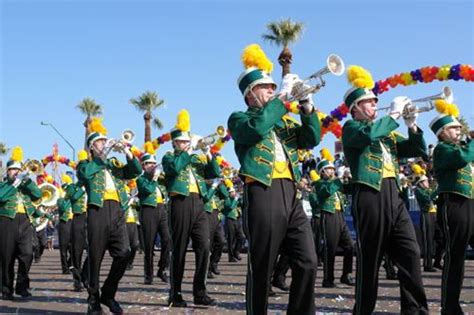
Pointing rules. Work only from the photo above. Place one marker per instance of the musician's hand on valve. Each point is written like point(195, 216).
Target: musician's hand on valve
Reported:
point(17, 182)
point(397, 106)
point(288, 83)
point(410, 118)
point(127, 151)
point(307, 104)
point(215, 182)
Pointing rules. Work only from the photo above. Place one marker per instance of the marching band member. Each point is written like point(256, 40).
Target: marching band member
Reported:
point(233, 226)
point(103, 179)
point(424, 196)
point(153, 217)
point(315, 215)
point(334, 230)
point(453, 167)
point(77, 196)
point(382, 223)
point(132, 222)
point(266, 143)
point(16, 209)
point(185, 173)
point(40, 239)
point(64, 227)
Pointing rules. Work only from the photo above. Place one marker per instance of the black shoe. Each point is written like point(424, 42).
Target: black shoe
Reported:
point(66, 272)
point(271, 293)
point(93, 306)
point(113, 305)
point(7, 297)
point(214, 270)
point(23, 293)
point(233, 259)
point(328, 284)
point(210, 275)
point(238, 257)
point(391, 276)
point(204, 300)
point(129, 267)
point(437, 265)
point(177, 301)
point(281, 285)
point(163, 275)
point(347, 279)
point(429, 269)
point(320, 263)
point(148, 281)
point(37, 259)
point(77, 285)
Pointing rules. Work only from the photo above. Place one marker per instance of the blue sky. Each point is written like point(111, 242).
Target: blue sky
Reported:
point(55, 53)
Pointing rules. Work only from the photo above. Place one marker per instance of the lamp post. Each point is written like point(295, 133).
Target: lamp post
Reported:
point(57, 131)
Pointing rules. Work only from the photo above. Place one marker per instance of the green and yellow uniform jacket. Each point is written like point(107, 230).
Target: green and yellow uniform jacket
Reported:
point(364, 145)
point(255, 133)
point(179, 165)
point(453, 167)
point(214, 197)
point(232, 208)
point(64, 209)
point(19, 199)
point(425, 197)
point(77, 197)
point(150, 192)
point(313, 201)
point(92, 174)
point(329, 195)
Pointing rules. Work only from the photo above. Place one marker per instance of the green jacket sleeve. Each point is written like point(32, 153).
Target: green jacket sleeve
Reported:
point(74, 192)
point(309, 133)
point(210, 193)
point(423, 196)
point(359, 135)
point(453, 157)
point(28, 187)
point(313, 200)
point(86, 170)
point(325, 189)
point(414, 146)
point(7, 191)
point(249, 129)
point(212, 169)
point(145, 186)
point(173, 164)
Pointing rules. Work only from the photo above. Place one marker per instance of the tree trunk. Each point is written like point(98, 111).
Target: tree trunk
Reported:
point(86, 123)
point(147, 119)
point(285, 59)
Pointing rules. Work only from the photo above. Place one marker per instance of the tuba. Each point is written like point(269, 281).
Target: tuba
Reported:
point(49, 195)
point(334, 65)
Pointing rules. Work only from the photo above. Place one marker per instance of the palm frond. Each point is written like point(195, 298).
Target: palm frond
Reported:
point(89, 107)
point(283, 32)
point(3, 148)
point(147, 102)
point(157, 123)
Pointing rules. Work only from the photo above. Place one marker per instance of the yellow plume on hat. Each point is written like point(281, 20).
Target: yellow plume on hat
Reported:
point(148, 148)
point(326, 155)
point(418, 170)
point(183, 121)
point(66, 179)
point(314, 176)
point(82, 155)
point(360, 77)
point(254, 56)
point(444, 107)
point(96, 125)
point(17, 154)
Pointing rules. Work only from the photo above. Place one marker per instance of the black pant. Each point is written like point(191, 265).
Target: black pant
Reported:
point(316, 226)
point(428, 227)
point(40, 244)
point(235, 237)
point(132, 233)
point(458, 221)
point(281, 268)
point(274, 218)
point(15, 243)
point(106, 230)
point(64, 235)
point(216, 237)
point(335, 233)
point(383, 225)
point(155, 221)
point(188, 220)
point(78, 241)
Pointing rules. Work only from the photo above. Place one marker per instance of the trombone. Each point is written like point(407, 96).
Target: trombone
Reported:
point(334, 65)
point(446, 94)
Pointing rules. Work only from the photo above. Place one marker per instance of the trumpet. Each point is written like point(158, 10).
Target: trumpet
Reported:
point(31, 167)
point(446, 94)
point(210, 139)
point(127, 137)
point(334, 65)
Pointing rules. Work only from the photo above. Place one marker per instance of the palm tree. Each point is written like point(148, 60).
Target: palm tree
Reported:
point(147, 103)
point(3, 151)
point(283, 33)
point(89, 107)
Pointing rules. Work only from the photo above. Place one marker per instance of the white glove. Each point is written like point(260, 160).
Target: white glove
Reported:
point(16, 182)
point(397, 106)
point(287, 84)
point(307, 104)
point(127, 152)
point(215, 182)
point(157, 173)
point(410, 119)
